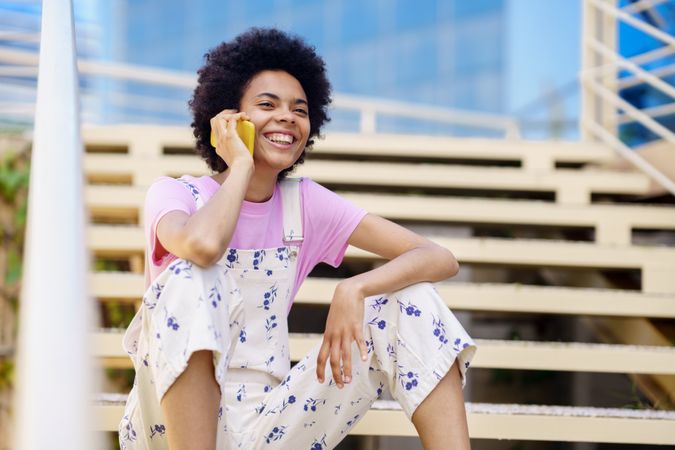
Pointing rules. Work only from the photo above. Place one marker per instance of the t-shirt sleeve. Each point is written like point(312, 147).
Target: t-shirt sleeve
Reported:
point(330, 221)
point(164, 195)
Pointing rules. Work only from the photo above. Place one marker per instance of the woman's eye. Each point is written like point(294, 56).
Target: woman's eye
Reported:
point(265, 104)
point(301, 111)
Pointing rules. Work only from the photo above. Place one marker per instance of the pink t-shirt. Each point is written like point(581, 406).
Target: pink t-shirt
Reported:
point(328, 221)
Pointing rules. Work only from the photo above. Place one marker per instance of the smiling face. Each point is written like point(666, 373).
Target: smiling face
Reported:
point(277, 105)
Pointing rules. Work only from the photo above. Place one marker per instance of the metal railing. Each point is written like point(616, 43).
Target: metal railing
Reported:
point(369, 109)
point(603, 109)
point(55, 367)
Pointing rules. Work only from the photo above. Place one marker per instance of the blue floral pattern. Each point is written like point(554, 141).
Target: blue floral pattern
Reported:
point(127, 432)
point(410, 336)
point(150, 301)
point(192, 188)
point(378, 303)
point(439, 332)
point(276, 434)
point(370, 345)
point(319, 444)
point(410, 309)
point(391, 351)
point(232, 258)
point(379, 323)
point(172, 323)
point(269, 297)
point(270, 325)
point(241, 393)
point(350, 424)
point(258, 257)
point(282, 254)
point(286, 402)
point(379, 390)
point(286, 408)
point(214, 295)
point(458, 346)
point(269, 361)
point(181, 267)
point(157, 429)
point(311, 404)
point(408, 379)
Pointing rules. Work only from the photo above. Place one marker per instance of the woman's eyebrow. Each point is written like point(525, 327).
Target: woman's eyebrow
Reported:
point(276, 97)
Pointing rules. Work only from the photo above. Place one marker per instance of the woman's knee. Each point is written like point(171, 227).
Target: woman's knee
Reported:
point(422, 288)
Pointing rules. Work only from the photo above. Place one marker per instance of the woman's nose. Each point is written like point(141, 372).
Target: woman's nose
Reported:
point(286, 116)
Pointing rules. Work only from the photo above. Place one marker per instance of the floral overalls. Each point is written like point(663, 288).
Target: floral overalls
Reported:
point(238, 309)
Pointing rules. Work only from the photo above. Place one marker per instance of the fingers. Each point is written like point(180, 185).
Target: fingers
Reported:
point(321, 360)
point(347, 360)
point(231, 124)
point(335, 363)
point(228, 113)
point(332, 349)
point(363, 349)
point(231, 114)
point(339, 350)
point(223, 122)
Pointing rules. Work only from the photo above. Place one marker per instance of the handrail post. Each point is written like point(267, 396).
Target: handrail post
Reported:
point(55, 376)
point(588, 57)
point(610, 78)
point(368, 121)
point(600, 99)
point(597, 25)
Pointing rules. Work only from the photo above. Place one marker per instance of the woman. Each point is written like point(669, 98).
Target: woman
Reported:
point(226, 254)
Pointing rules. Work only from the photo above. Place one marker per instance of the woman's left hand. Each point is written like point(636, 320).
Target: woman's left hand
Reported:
point(343, 326)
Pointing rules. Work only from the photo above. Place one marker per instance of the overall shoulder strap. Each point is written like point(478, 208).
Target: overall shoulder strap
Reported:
point(199, 201)
point(292, 209)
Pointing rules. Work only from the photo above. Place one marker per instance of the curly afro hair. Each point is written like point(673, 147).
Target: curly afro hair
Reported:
point(230, 67)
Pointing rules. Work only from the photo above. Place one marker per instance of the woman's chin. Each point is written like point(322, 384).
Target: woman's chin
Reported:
point(273, 166)
point(277, 162)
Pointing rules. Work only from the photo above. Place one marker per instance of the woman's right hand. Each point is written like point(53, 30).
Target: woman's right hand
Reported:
point(229, 145)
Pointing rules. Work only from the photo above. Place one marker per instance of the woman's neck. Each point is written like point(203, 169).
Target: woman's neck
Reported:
point(260, 187)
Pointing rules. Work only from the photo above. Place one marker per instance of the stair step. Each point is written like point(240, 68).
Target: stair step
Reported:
point(416, 146)
point(612, 223)
point(458, 296)
point(570, 186)
point(613, 226)
point(109, 239)
point(448, 176)
point(123, 240)
point(521, 355)
point(494, 421)
point(155, 138)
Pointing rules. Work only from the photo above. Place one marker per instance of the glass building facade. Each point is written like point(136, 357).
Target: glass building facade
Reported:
point(506, 57)
point(634, 42)
point(427, 51)
point(434, 52)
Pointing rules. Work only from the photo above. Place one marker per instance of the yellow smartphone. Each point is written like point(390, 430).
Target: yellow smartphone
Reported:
point(246, 131)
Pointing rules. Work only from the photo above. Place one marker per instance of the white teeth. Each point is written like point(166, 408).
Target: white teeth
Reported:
point(280, 138)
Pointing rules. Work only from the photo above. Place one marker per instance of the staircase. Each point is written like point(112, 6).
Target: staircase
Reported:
point(567, 276)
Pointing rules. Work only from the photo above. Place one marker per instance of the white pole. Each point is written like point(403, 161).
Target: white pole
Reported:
point(55, 376)
point(589, 105)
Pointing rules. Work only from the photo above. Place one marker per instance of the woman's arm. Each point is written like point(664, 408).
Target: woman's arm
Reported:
point(412, 259)
point(204, 236)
